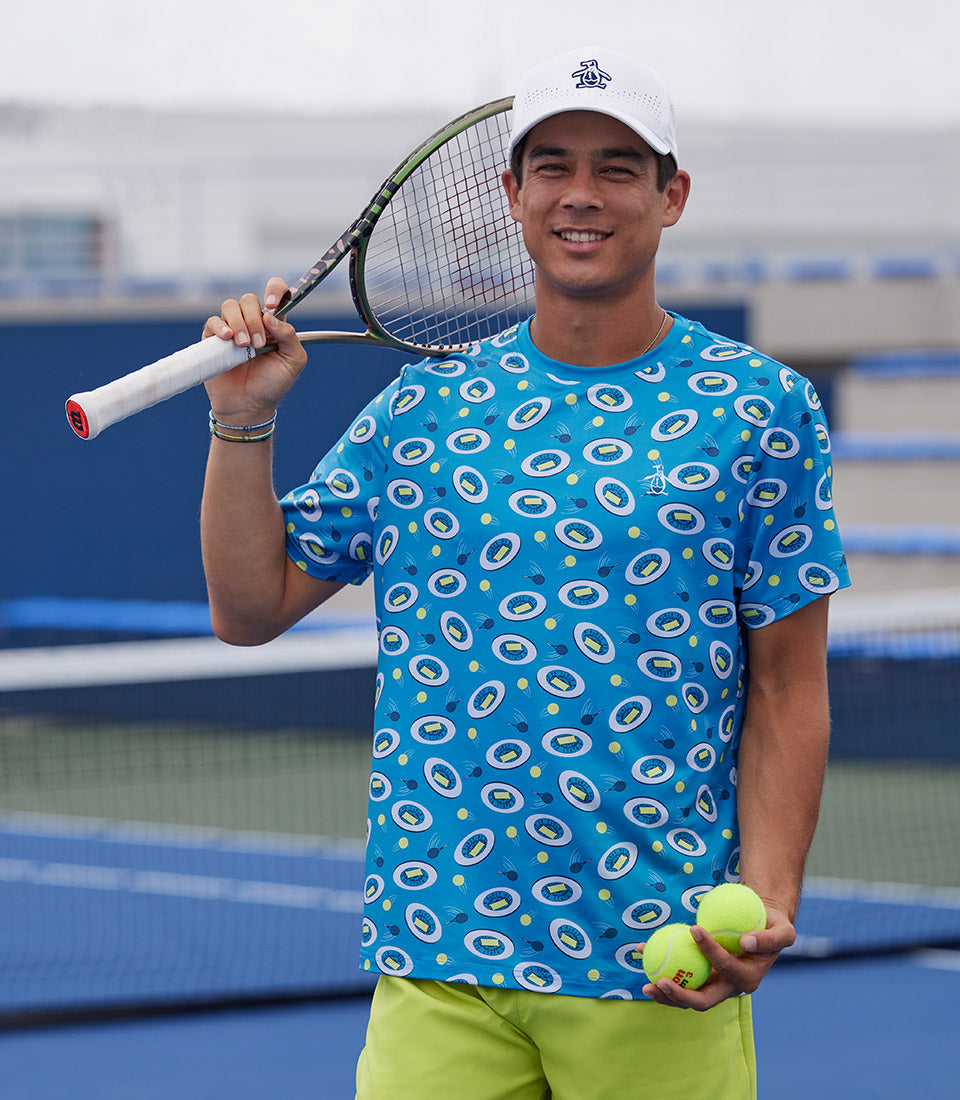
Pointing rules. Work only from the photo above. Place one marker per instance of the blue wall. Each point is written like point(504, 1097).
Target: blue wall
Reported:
point(117, 517)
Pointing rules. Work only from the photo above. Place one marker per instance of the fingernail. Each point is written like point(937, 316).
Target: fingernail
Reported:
point(270, 301)
point(696, 933)
point(749, 943)
point(258, 341)
point(225, 332)
point(242, 338)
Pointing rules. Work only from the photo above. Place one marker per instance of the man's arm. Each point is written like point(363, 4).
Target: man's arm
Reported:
point(783, 756)
point(255, 590)
point(783, 753)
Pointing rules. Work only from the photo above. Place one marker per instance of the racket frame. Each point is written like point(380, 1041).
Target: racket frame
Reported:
point(353, 243)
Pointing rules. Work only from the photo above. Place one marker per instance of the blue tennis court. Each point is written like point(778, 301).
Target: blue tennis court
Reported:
point(867, 1029)
point(104, 913)
point(155, 914)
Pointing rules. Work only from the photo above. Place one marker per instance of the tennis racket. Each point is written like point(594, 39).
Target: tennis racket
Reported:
point(436, 263)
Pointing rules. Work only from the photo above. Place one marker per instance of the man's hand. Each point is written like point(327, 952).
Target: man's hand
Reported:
point(250, 393)
point(732, 974)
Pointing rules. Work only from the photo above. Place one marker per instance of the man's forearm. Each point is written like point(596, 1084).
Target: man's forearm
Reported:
point(241, 533)
point(780, 780)
point(783, 755)
point(254, 590)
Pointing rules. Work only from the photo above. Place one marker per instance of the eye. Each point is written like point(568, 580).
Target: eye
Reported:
point(620, 170)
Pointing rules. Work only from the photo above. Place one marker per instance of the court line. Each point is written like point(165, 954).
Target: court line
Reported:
point(882, 893)
point(862, 612)
point(73, 827)
point(935, 959)
point(177, 885)
point(182, 659)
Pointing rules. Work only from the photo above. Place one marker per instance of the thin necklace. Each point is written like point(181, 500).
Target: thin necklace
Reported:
point(657, 336)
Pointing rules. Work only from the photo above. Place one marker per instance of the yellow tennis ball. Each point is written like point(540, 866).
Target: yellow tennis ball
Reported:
point(730, 911)
point(671, 952)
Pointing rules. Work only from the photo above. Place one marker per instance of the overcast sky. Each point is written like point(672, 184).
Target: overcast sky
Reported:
point(836, 61)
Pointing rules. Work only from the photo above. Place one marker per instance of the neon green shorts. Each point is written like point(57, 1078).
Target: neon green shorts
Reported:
point(431, 1040)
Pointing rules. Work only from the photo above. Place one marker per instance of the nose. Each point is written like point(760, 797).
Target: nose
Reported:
point(582, 192)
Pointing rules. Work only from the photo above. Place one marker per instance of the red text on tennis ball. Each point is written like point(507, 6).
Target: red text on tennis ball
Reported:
point(671, 952)
point(730, 911)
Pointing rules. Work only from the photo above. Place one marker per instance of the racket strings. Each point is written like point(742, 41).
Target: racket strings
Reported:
point(445, 264)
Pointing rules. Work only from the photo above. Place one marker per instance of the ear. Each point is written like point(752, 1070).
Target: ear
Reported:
point(675, 197)
point(512, 188)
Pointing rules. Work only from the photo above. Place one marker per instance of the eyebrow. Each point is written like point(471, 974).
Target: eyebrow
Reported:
point(611, 153)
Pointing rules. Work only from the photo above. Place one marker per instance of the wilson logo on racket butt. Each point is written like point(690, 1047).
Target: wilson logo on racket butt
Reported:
point(78, 419)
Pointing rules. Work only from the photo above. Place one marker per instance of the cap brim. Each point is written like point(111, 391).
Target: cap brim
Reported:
point(656, 143)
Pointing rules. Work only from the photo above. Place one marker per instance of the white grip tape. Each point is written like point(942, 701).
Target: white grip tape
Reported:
point(89, 413)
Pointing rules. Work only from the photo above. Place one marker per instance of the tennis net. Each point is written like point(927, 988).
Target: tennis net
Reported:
point(181, 822)
point(884, 868)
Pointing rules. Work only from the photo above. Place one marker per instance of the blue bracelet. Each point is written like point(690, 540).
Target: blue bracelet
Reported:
point(252, 433)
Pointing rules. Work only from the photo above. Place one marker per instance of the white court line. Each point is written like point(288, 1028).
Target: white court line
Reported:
point(882, 893)
point(935, 959)
point(183, 659)
point(166, 884)
point(871, 893)
point(854, 612)
point(109, 830)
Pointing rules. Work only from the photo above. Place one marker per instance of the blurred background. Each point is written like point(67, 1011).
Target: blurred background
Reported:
point(156, 163)
point(177, 820)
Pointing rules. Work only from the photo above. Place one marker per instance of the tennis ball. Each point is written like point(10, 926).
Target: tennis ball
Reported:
point(671, 952)
point(728, 912)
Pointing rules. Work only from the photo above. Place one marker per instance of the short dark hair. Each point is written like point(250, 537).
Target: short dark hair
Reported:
point(666, 165)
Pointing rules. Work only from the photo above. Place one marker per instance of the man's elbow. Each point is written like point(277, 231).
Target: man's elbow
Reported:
point(240, 631)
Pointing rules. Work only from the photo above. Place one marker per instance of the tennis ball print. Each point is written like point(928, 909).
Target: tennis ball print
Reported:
point(672, 953)
point(728, 912)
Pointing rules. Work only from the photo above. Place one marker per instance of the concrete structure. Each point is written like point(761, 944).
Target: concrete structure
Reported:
point(837, 242)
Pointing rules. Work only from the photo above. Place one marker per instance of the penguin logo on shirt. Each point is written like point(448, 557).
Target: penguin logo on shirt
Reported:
point(656, 483)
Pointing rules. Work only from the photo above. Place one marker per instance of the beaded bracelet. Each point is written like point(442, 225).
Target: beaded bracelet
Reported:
point(252, 433)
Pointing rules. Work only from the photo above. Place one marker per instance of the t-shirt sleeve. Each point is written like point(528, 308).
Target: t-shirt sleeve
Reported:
point(789, 551)
point(329, 519)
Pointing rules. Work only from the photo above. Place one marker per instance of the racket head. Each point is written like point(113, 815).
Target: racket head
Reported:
point(442, 263)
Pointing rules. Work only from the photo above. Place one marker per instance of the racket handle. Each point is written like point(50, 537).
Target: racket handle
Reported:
point(90, 412)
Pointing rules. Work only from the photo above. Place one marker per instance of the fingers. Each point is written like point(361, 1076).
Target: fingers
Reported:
point(731, 974)
point(274, 294)
point(243, 320)
point(717, 956)
point(286, 339)
point(668, 993)
point(779, 934)
point(215, 326)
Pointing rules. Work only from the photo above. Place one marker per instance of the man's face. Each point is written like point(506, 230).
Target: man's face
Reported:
point(589, 205)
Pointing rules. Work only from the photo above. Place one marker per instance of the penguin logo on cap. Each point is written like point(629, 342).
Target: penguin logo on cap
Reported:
point(590, 75)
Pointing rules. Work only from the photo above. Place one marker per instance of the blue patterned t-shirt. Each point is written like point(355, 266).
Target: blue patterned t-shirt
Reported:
point(566, 560)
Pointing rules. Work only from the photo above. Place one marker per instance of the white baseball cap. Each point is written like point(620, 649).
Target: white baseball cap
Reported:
point(597, 80)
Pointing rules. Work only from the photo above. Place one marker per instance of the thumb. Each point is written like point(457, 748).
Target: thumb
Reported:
point(285, 336)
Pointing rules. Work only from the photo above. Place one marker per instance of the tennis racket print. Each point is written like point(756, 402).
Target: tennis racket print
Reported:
point(436, 263)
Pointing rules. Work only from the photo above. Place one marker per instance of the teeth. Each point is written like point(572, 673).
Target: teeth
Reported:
point(580, 236)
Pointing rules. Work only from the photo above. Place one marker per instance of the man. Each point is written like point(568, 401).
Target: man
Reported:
point(602, 619)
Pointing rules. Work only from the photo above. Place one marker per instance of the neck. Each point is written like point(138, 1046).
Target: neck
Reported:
point(586, 333)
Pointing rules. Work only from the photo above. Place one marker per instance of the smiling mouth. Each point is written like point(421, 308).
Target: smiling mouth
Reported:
point(581, 236)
